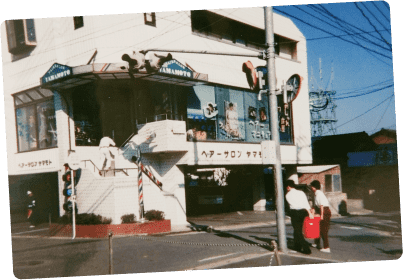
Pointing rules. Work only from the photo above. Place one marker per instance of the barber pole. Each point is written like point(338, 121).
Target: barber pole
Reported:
point(143, 169)
point(140, 185)
point(151, 176)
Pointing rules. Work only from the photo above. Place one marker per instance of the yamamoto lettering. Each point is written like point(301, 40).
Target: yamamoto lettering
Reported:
point(57, 76)
point(175, 72)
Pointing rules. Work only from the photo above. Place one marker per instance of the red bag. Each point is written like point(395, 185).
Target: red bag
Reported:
point(311, 228)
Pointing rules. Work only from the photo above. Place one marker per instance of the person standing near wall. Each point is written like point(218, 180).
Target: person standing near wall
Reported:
point(323, 207)
point(299, 210)
point(31, 204)
point(106, 153)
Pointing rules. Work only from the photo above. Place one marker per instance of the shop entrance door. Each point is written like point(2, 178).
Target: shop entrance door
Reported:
point(44, 186)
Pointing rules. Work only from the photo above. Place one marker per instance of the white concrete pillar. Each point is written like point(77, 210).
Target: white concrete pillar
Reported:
point(259, 200)
point(291, 173)
point(62, 125)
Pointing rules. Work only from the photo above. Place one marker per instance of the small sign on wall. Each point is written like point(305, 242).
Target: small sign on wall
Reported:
point(32, 162)
point(268, 152)
point(210, 199)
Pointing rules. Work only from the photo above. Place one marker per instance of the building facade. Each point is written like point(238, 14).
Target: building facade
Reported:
point(198, 123)
point(329, 177)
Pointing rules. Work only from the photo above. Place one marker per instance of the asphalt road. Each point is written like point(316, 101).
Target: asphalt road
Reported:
point(358, 238)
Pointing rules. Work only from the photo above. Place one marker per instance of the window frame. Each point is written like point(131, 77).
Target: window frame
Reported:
point(33, 104)
point(331, 176)
point(11, 31)
point(153, 20)
point(77, 24)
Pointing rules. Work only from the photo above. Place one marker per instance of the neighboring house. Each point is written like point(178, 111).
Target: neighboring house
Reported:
point(376, 173)
point(369, 172)
point(70, 81)
point(329, 177)
point(384, 136)
point(333, 149)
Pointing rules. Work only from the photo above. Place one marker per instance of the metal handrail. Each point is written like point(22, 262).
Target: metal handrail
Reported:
point(127, 140)
point(124, 170)
point(160, 117)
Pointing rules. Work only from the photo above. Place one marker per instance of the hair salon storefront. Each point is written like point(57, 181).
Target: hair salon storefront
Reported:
point(211, 158)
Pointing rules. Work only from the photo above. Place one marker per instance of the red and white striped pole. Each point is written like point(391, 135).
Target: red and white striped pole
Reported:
point(140, 186)
point(151, 176)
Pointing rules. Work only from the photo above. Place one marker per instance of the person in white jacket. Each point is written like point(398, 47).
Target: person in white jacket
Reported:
point(299, 210)
point(105, 151)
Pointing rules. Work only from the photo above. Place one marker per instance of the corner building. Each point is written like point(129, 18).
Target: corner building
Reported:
point(198, 124)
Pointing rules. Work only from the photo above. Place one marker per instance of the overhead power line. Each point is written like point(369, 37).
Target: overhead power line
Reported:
point(391, 96)
point(383, 114)
point(323, 10)
point(325, 31)
point(365, 89)
point(381, 12)
point(376, 18)
point(346, 29)
point(349, 34)
point(366, 93)
point(336, 27)
point(365, 16)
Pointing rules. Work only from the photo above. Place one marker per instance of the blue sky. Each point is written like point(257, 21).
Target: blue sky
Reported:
point(355, 69)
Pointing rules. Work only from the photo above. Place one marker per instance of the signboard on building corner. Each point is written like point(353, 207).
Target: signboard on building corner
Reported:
point(57, 71)
point(173, 67)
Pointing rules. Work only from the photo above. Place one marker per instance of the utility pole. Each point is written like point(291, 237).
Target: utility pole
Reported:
point(273, 108)
point(268, 55)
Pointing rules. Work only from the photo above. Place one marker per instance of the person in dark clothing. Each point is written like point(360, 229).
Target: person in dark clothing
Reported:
point(31, 204)
point(299, 210)
point(323, 206)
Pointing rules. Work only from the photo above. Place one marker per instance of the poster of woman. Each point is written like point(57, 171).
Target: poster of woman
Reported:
point(232, 126)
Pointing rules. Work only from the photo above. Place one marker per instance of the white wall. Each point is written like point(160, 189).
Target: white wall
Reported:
point(114, 35)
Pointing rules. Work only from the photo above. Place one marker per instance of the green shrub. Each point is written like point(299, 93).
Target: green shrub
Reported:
point(64, 220)
point(128, 219)
point(84, 219)
point(154, 215)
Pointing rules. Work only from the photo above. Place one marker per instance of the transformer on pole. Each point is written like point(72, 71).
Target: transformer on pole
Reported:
point(322, 107)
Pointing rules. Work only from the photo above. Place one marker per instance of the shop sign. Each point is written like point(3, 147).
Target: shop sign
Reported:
point(223, 153)
point(173, 67)
point(57, 71)
point(36, 162)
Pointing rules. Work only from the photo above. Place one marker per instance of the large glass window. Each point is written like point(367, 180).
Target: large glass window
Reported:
point(226, 114)
point(36, 126)
point(216, 27)
point(47, 135)
point(87, 119)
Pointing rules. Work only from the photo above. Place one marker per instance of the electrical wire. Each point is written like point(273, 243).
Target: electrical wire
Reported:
point(329, 37)
point(344, 29)
point(376, 18)
point(361, 88)
point(289, 15)
point(364, 15)
point(338, 20)
point(360, 36)
point(388, 20)
point(383, 114)
point(324, 11)
point(362, 94)
point(366, 111)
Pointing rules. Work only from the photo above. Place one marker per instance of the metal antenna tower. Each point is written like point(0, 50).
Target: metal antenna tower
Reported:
point(322, 107)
